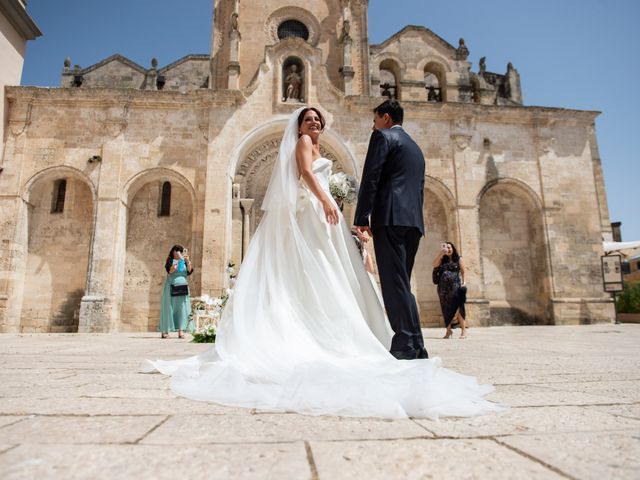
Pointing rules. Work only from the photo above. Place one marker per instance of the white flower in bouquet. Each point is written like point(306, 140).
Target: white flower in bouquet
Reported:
point(343, 187)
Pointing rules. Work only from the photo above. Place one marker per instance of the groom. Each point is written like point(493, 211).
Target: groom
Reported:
point(390, 210)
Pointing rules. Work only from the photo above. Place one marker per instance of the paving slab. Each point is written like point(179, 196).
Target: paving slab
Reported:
point(610, 455)
point(538, 396)
point(208, 462)
point(628, 390)
point(79, 429)
point(10, 419)
point(278, 428)
point(625, 411)
point(110, 406)
point(423, 459)
point(530, 421)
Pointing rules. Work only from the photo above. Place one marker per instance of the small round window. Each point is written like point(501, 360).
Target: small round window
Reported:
point(293, 28)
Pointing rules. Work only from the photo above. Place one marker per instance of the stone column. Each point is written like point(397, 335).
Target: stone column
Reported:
point(246, 204)
point(100, 307)
point(468, 223)
point(14, 241)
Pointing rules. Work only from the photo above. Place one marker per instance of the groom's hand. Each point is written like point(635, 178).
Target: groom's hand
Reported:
point(364, 234)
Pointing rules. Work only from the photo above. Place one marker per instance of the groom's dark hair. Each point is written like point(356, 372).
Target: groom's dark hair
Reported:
point(393, 108)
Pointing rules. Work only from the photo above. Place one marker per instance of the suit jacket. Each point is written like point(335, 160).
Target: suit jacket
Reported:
point(392, 185)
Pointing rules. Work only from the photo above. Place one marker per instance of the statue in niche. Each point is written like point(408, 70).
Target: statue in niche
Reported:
point(235, 27)
point(293, 84)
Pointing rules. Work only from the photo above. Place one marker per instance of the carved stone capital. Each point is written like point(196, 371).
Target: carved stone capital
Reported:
point(347, 71)
point(246, 204)
point(115, 127)
point(461, 141)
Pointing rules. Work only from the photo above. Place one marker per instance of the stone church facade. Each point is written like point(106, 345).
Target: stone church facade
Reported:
point(101, 176)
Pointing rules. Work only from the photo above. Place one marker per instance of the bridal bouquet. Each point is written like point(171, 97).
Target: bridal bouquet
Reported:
point(343, 187)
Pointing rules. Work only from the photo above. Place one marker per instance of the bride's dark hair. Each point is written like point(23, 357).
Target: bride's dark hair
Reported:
point(304, 112)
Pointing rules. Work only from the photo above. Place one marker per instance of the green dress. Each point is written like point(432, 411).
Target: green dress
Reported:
point(175, 311)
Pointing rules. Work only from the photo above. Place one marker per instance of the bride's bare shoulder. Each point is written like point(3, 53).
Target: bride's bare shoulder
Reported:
point(305, 140)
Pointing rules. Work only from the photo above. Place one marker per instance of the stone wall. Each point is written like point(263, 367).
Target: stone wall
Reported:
point(189, 73)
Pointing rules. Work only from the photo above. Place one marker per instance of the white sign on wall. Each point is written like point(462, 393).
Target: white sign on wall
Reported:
point(612, 273)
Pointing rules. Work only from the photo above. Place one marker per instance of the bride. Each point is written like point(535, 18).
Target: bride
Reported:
point(303, 330)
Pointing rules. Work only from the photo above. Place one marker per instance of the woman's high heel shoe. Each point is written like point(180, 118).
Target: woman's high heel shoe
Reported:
point(447, 335)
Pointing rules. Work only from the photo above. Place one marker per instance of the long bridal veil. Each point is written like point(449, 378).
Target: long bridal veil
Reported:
point(304, 330)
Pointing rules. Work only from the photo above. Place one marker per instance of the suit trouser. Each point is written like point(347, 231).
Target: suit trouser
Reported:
point(396, 249)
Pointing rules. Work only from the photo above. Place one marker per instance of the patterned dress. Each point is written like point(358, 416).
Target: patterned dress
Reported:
point(451, 296)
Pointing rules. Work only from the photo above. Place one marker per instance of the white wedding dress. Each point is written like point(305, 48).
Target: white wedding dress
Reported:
point(304, 330)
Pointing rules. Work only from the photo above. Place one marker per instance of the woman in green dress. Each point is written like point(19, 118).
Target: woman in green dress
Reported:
point(176, 304)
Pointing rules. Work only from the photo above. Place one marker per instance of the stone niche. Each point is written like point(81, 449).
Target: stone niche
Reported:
point(146, 253)
point(60, 222)
point(514, 262)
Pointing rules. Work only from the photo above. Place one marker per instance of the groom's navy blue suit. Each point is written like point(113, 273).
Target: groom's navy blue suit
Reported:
point(390, 201)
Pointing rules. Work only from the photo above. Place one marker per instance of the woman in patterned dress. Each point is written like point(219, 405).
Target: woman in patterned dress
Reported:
point(452, 290)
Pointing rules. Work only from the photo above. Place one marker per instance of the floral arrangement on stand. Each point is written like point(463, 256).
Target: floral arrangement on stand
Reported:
point(210, 310)
point(343, 187)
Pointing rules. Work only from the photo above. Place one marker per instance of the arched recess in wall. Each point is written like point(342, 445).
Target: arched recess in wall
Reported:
point(252, 165)
point(513, 253)
point(441, 225)
point(435, 81)
point(390, 76)
point(151, 231)
point(60, 220)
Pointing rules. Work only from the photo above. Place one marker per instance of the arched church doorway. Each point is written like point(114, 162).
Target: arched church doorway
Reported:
point(252, 176)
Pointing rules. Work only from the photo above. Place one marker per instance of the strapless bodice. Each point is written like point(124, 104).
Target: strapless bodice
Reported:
point(321, 168)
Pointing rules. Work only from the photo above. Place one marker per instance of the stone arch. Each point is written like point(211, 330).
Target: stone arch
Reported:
point(435, 78)
point(441, 225)
point(148, 238)
point(250, 171)
point(390, 77)
point(513, 253)
point(441, 62)
point(57, 244)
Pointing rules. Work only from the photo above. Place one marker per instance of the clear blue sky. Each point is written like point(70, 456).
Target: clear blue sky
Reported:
point(582, 54)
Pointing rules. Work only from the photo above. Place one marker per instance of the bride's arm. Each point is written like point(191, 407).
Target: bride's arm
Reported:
point(304, 159)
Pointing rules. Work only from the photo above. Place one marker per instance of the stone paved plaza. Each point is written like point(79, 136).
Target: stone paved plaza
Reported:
point(73, 406)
